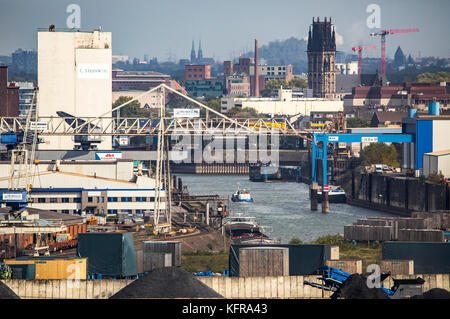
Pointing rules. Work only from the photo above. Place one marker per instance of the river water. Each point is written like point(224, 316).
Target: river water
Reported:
point(284, 206)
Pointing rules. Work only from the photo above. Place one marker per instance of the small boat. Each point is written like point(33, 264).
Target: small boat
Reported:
point(242, 196)
point(245, 230)
point(335, 195)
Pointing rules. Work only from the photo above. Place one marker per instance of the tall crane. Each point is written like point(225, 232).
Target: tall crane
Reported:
point(360, 49)
point(383, 34)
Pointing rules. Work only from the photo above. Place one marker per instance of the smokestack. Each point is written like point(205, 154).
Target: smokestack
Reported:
point(256, 90)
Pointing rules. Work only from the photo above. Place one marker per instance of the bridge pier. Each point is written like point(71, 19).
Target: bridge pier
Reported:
point(325, 202)
point(313, 195)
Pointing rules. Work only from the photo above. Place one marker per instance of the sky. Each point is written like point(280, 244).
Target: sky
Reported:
point(166, 29)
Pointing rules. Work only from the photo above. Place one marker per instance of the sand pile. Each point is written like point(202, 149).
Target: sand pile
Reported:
point(167, 282)
point(6, 292)
point(355, 287)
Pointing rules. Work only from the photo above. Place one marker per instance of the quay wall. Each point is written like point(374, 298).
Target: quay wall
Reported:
point(398, 195)
point(230, 287)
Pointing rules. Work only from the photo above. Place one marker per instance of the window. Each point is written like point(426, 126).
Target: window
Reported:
point(112, 199)
point(41, 200)
point(77, 200)
point(53, 200)
point(144, 199)
point(65, 200)
point(65, 211)
point(90, 199)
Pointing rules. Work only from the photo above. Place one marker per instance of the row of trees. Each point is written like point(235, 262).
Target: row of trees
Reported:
point(271, 87)
point(434, 77)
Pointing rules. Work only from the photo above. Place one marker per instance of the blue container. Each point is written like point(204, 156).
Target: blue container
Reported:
point(412, 113)
point(8, 138)
point(433, 108)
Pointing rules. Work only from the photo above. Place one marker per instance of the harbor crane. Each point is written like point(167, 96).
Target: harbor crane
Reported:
point(382, 34)
point(360, 49)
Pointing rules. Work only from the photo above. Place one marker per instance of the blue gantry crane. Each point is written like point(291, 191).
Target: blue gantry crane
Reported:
point(320, 151)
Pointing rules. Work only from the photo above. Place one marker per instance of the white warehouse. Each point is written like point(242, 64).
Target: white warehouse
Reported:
point(100, 188)
point(287, 103)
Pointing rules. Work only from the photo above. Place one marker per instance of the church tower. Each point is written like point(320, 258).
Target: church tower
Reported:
point(322, 58)
point(193, 58)
point(200, 53)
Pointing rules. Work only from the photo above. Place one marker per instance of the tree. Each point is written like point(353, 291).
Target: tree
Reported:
point(131, 110)
point(434, 77)
point(298, 83)
point(436, 178)
point(295, 241)
point(246, 112)
point(379, 153)
point(357, 122)
point(272, 86)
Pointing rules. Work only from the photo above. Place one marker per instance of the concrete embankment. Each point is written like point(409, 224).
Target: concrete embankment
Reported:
point(397, 194)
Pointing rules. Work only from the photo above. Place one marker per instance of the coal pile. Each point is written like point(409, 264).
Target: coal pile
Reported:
point(435, 293)
point(355, 287)
point(167, 282)
point(6, 292)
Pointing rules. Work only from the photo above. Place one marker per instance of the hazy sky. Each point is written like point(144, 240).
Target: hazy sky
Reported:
point(166, 29)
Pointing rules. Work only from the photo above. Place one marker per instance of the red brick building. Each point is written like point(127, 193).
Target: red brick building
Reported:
point(9, 95)
point(197, 72)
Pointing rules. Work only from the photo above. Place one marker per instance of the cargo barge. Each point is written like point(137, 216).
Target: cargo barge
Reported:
point(272, 172)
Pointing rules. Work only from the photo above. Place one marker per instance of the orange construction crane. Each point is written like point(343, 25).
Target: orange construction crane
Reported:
point(383, 34)
point(360, 49)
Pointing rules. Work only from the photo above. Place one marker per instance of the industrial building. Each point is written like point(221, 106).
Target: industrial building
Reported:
point(74, 76)
point(92, 187)
point(287, 103)
point(9, 95)
point(431, 138)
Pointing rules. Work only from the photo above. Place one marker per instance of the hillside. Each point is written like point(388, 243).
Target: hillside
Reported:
point(289, 51)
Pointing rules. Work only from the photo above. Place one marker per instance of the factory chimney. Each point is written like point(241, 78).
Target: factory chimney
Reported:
point(256, 90)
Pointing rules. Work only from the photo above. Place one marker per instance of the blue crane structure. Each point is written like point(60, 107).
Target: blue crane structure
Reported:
point(320, 151)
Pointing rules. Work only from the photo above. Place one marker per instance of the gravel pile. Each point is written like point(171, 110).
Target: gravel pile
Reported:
point(167, 282)
point(6, 292)
point(355, 287)
point(435, 293)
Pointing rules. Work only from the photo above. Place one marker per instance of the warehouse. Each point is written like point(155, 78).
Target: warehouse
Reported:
point(287, 103)
point(96, 187)
point(437, 162)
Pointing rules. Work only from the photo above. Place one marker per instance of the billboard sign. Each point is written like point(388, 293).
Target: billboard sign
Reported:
point(191, 113)
point(108, 155)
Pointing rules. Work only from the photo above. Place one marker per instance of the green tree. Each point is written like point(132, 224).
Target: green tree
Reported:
point(357, 122)
point(434, 77)
point(379, 153)
point(298, 83)
point(272, 86)
point(436, 178)
point(130, 110)
point(295, 241)
point(246, 112)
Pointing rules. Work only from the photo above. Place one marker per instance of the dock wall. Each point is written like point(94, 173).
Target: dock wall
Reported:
point(398, 195)
point(229, 287)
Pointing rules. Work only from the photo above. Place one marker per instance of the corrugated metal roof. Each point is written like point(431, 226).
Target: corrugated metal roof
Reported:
point(439, 153)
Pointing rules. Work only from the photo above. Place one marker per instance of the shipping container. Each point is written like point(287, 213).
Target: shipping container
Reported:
point(109, 254)
point(23, 271)
point(172, 247)
point(54, 267)
point(429, 258)
point(398, 267)
point(334, 252)
point(304, 260)
point(153, 260)
point(263, 261)
point(422, 235)
point(349, 266)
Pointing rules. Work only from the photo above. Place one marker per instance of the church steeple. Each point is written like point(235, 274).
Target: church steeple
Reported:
point(200, 53)
point(193, 58)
